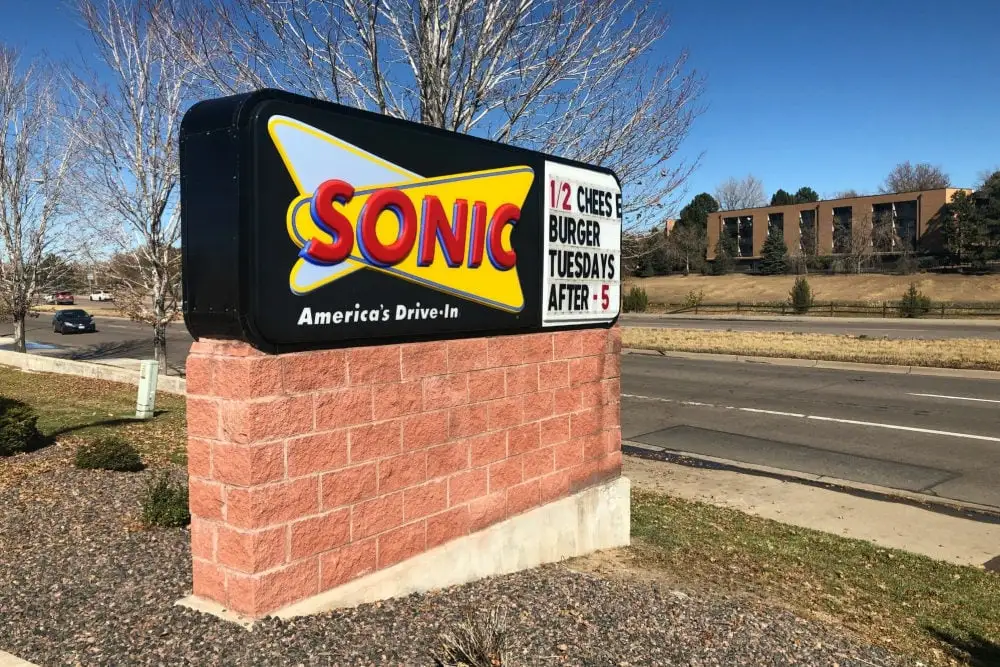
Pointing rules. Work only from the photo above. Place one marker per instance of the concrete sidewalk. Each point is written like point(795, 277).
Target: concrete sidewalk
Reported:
point(888, 524)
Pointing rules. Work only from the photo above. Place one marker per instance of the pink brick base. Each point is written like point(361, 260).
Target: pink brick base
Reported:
point(309, 470)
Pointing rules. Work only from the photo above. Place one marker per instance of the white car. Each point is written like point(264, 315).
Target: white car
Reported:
point(101, 295)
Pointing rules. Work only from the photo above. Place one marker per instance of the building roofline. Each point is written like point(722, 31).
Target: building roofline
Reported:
point(809, 204)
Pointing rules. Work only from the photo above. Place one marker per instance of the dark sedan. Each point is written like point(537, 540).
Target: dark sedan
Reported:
point(73, 321)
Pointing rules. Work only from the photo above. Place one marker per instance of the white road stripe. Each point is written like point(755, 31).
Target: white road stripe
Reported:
point(837, 420)
point(957, 398)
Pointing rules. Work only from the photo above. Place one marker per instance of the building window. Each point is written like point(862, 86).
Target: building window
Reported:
point(883, 228)
point(746, 236)
point(842, 216)
point(775, 223)
point(808, 242)
point(905, 213)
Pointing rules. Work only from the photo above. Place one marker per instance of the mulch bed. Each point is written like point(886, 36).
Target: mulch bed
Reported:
point(80, 584)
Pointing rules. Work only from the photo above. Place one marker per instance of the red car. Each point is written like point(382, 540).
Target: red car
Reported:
point(64, 298)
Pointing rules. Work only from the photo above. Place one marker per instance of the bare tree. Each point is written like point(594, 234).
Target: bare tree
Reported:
point(571, 77)
point(686, 245)
point(853, 239)
point(129, 135)
point(850, 193)
point(906, 177)
point(735, 194)
point(35, 157)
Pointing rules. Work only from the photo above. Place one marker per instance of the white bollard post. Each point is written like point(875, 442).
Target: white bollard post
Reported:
point(146, 402)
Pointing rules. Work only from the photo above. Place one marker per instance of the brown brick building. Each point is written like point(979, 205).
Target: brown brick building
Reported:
point(891, 223)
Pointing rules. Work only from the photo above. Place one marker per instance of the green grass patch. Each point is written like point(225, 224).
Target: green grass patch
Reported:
point(70, 407)
point(906, 602)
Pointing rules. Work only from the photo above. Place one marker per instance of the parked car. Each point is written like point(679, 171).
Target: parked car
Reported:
point(73, 320)
point(101, 295)
point(63, 298)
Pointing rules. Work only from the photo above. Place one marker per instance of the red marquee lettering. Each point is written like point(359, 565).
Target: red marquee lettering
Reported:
point(436, 230)
point(501, 258)
point(331, 221)
point(374, 250)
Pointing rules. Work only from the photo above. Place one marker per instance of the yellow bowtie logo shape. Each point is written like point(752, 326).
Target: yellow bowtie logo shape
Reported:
point(483, 282)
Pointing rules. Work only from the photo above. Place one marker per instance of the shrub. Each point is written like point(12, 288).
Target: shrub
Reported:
point(636, 300)
point(108, 453)
point(774, 255)
point(725, 250)
point(478, 643)
point(914, 303)
point(801, 296)
point(18, 427)
point(907, 265)
point(694, 299)
point(165, 503)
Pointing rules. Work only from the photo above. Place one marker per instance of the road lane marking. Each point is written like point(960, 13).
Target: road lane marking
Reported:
point(837, 420)
point(957, 398)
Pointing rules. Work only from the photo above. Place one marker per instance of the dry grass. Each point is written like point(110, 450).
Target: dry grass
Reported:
point(869, 287)
point(943, 614)
point(952, 353)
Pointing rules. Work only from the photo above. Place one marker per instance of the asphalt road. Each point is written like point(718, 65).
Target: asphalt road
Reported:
point(933, 435)
point(891, 328)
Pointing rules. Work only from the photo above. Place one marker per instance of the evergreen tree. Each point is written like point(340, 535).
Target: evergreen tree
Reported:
point(725, 251)
point(806, 195)
point(774, 255)
point(782, 198)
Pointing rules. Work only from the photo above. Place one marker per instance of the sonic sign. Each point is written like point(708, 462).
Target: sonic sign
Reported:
point(307, 224)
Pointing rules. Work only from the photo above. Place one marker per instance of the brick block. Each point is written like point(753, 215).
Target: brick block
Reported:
point(568, 454)
point(524, 349)
point(273, 504)
point(591, 395)
point(246, 378)
point(397, 545)
point(585, 423)
point(506, 473)
point(224, 348)
point(486, 385)
point(376, 516)
point(347, 563)
point(424, 430)
point(209, 580)
point(203, 539)
point(554, 486)
point(553, 375)
point(522, 379)
point(398, 400)
point(611, 416)
point(402, 471)
point(566, 400)
point(612, 391)
point(258, 594)
point(504, 413)
point(613, 343)
point(344, 407)
point(487, 448)
point(203, 418)
point(539, 463)
point(554, 430)
point(467, 355)
point(424, 500)
point(348, 486)
point(251, 551)
point(447, 526)
point(199, 456)
point(445, 460)
point(613, 440)
point(466, 420)
point(594, 446)
point(375, 441)
point(245, 422)
point(586, 343)
point(320, 533)
point(205, 499)
point(198, 374)
point(446, 391)
point(612, 366)
point(523, 497)
point(523, 439)
point(466, 486)
point(374, 365)
point(318, 452)
point(248, 465)
point(537, 406)
point(314, 371)
point(585, 369)
point(422, 360)
point(488, 510)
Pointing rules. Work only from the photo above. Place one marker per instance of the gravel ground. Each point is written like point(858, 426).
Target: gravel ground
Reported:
point(80, 585)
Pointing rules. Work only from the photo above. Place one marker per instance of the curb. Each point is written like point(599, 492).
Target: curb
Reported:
point(816, 363)
point(958, 508)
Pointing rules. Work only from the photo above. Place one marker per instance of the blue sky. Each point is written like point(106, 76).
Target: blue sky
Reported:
point(829, 93)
